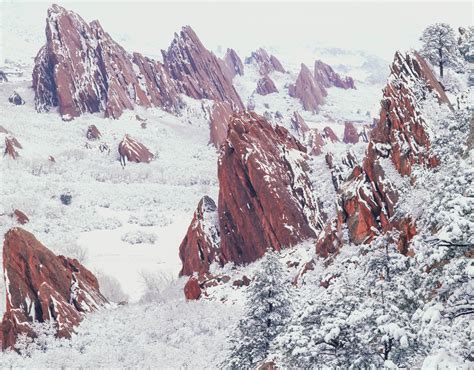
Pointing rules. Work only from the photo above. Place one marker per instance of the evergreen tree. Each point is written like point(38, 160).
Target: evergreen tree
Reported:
point(266, 313)
point(439, 46)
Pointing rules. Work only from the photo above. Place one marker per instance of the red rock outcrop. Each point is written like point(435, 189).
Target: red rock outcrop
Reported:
point(82, 69)
point(351, 136)
point(315, 142)
point(11, 146)
point(369, 198)
point(197, 71)
point(41, 286)
point(200, 247)
point(330, 135)
point(220, 118)
point(131, 150)
point(20, 217)
point(310, 93)
point(264, 62)
point(93, 133)
point(299, 125)
point(192, 289)
point(265, 196)
point(266, 86)
point(328, 78)
point(233, 63)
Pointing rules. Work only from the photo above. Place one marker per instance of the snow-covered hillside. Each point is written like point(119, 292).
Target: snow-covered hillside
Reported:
point(401, 297)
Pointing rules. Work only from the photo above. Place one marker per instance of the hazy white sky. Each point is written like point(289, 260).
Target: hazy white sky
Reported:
point(379, 27)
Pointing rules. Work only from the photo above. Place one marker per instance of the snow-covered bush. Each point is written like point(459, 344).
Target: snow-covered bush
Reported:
point(111, 289)
point(139, 237)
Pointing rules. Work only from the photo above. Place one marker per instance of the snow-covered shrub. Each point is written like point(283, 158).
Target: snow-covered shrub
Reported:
point(155, 285)
point(139, 237)
point(111, 289)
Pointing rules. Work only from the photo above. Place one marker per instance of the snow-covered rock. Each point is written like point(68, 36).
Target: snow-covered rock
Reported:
point(41, 287)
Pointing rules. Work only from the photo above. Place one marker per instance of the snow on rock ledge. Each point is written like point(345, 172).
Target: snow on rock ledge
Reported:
point(43, 287)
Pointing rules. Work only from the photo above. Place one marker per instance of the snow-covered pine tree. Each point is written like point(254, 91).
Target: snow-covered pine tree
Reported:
point(439, 46)
point(266, 313)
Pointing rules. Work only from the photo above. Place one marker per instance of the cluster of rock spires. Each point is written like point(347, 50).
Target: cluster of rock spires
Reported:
point(82, 69)
point(265, 197)
point(310, 88)
point(42, 287)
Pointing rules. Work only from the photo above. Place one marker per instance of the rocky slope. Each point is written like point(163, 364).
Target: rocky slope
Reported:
point(43, 287)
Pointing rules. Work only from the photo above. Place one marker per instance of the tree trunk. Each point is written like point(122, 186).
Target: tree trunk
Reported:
point(440, 52)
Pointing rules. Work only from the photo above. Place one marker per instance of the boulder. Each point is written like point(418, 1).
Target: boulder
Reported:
point(310, 93)
point(132, 151)
point(93, 133)
point(20, 217)
point(266, 86)
point(192, 289)
point(16, 99)
point(351, 136)
point(200, 246)
point(41, 286)
point(265, 63)
point(265, 195)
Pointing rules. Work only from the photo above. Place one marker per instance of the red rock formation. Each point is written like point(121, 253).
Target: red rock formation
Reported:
point(200, 246)
point(233, 63)
point(329, 135)
point(11, 144)
point(20, 217)
point(307, 90)
point(41, 286)
point(369, 198)
point(220, 117)
point(325, 75)
point(197, 71)
point(351, 136)
point(264, 62)
point(315, 142)
point(330, 240)
point(82, 69)
point(266, 86)
point(133, 151)
point(265, 196)
point(93, 133)
point(299, 125)
point(192, 289)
